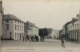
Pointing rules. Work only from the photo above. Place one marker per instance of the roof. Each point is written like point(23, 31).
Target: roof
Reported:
point(30, 24)
point(72, 21)
point(11, 17)
point(26, 26)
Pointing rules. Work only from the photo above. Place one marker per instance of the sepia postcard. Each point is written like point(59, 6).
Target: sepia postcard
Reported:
point(40, 26)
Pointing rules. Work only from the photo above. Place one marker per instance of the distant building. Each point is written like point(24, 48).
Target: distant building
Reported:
point(34, 30)
point(52, 33)
point(13, 28)
point(55, 34)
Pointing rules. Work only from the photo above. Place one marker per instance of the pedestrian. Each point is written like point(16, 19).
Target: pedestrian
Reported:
point(36, 37)
point(62, 42)
point(31, 38)
point(23, 39)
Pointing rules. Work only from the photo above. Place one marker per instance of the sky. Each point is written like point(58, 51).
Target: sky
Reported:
point(47, 13)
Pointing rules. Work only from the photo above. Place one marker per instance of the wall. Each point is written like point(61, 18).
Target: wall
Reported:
point(6, 33)
point(19, 31)
point(73, 31)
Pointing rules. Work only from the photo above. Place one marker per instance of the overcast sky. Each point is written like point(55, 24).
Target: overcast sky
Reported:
point(51, 14)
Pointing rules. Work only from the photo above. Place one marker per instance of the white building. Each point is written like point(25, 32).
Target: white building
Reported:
point(73, 30)
point(52, 33)
point(13, 28)
point(55, 33)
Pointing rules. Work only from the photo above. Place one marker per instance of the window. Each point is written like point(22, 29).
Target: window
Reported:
point(18, 27)
point(15, 35)
point(15, 27)
point(22, 28)
point(75, 27)
point(7, 26)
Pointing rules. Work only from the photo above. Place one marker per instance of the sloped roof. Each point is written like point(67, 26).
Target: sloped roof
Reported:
point(72, 21)
point(11, 17)
point(30, 24)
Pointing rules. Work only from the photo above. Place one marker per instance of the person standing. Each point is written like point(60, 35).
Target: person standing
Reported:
point(62, 42)
point(23, 39)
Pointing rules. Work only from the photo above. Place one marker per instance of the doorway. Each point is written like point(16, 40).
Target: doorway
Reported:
point(10, 35)
point(20, 36)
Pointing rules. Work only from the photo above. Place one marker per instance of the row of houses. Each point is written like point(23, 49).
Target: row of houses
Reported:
point(15, 29)
point(71, 30)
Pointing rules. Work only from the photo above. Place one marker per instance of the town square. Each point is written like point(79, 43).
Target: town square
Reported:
point(40, 26)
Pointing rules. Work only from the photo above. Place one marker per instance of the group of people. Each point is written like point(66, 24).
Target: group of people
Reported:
point(33, 38)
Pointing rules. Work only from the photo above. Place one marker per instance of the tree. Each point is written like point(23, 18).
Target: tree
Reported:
point(42, 33)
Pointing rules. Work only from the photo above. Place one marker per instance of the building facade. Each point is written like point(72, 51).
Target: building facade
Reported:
point(71, 30)
point(26, 29)
point(52, 33)
point(13, 28)
point(34, 30)
point(55, 34)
